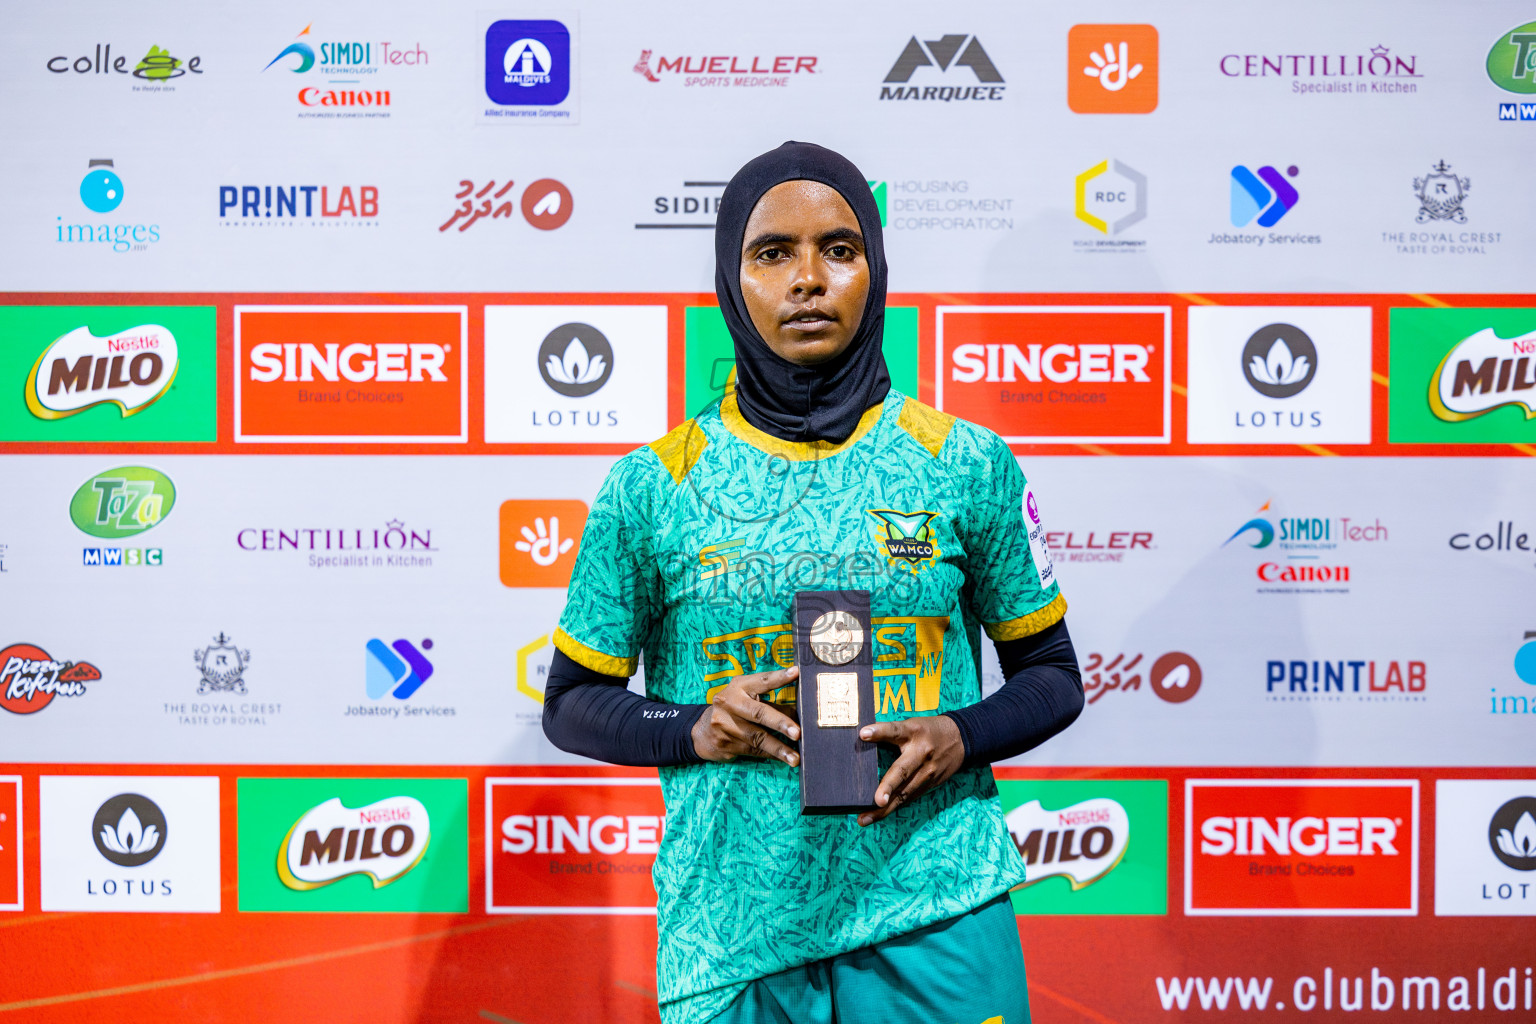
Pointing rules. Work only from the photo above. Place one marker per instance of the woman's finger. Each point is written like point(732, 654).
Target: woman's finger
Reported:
point(759, 712)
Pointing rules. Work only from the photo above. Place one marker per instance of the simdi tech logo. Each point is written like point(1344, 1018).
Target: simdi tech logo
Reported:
point(530, 71)
point(539, 541)
point(101, 191)
point(344, 62)
point(355, 374)
point(1031, 374)
point(1096, 847)
point(1304, 554)
point(1485, 847)
point(108, 373)
point(353, 845)
point(933, 63)
point(1511, 66)
point(1112, 69)
point(1463, 376)
point(1301, 847)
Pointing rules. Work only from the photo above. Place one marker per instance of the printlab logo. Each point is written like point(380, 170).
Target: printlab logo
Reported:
point(156, 68)
point(1279, 361)
point(1174, 677)
point(1356, 680)
point(1512, 67)
point(129, 830)
point(727, 71)
point(575, 360)
point(945, 53)
point(101, 191)
point(30, 678)
point(398, 669)
point(222, 665)
point(539, 541)
point(267, 206)
point(131, 369)
point(546, 204)
point(1112, 69)
point(1265, 195)
point(528, 70)
point(1109, 197)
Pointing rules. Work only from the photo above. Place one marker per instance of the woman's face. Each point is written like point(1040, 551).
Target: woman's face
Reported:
point(803, 271)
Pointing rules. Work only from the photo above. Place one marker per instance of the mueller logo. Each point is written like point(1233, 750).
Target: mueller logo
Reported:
point(351, 373)
point(130, 369)
point(1363, 679)
point(1259, 847)
point(719, 72)
point(383, 840)
point(1083, 842)
point(1097, 545)
point(944, 54)
point(1482, 373)
point(1041, 374)
point(264, 204)
point(30, 678)
point(572, 845)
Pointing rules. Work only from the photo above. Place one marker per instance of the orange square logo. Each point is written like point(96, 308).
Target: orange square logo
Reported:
point(1112, 69)
point(539, 541)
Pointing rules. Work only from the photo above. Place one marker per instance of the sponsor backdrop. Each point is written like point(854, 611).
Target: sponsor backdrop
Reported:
point(321, 327)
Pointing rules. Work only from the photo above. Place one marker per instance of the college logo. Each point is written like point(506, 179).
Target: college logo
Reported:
point(1104, 841)
point(528, 69)
point(129, 830)
point(908, 537)
point(1265, 195)
point(398, 669)
point(1028, 373)
point(222, 665)
point(952, 51)
point(1485, 847)
point(122, 502)
point(1512, 67)
point(101, 191)
point(1112, 69)
point(11, 833)
point(1175, 677)
point(353, 845)
point(1364, 679)
point(30, 678)
point(719, 72)
point(575, 374)
point(130, 369)
point(359, 374)
point(1110, 196)
point(539, 541)
point(1463, 376)
point(1262, 847)
point(1501, 538)
point(156, 67)
point(1266, 375)
point(587, 847)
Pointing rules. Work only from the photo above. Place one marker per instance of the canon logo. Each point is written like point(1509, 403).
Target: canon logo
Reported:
point(413, 361)
point(606, 834)
point(1306, 837)
point(1060, 364)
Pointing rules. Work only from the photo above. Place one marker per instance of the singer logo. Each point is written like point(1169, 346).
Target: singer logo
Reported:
point(351, 373)
point(1041, 374)
point(571, 845)
point(1261, 847)
point(539, 541)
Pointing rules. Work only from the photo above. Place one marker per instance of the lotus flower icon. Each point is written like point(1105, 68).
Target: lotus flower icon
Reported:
point(1521, 841)
point(575, 360)
point(130, 836)
point(1279, 360)
point(129, 830)
point(575, 366)
point(1279, 368)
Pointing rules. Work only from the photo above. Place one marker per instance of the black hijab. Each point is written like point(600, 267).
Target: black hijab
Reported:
point(778, 397)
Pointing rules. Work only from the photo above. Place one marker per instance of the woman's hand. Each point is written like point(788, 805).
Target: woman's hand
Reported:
point(931, 751)
point(738, 724)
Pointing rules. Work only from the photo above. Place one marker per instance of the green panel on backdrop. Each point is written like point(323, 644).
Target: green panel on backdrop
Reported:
point(1136, 883)
point(187, 411)
point(439, 883)
point(709, 357)
point(1421, 339)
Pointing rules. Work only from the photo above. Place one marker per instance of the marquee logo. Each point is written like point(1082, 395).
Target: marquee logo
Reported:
point(1081, 843)
point(945, 53)
point(1262, 847)
point(130, 369)
point(1485, 372)
point(1112, 69)
point(30, 678)
point(1265, 195)
point(122, 502)
point(129, 830)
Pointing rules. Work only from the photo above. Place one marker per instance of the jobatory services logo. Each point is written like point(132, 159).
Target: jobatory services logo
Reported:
point(1340, 680)
point(351, 374)
point(1441, 195)
point(1174, 677)
point(1089, 847)
point(118, 504)
point(342, 63)
point(724, 72)
point(1279, 374)
point(940, 60)
point(1112, 69)
point(1109, 197)
point(539, 541)
point(11, 839)
point(1375, 70)
point(108, 373)
point(1028, 373)
point(1463, 376)
point(397, 670)
point(393, 545)
point(30, 678)
point(546, 204)
point(102, 191)
point(562, 846)
point(1485, 847)
point(529, 71)
point(272, 206)
point(1301, 848)
point(575, 374)
point(158, 70)
point(130, 844)
point(1264, 195)
point(1511, 66)
point(345, 845)
point(1302, 554)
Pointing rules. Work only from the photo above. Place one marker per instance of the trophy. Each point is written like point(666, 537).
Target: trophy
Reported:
point(838, 771)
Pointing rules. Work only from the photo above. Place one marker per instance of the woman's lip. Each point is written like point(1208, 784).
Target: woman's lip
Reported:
point(819, 323)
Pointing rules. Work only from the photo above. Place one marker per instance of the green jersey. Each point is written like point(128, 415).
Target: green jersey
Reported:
point(692, 554)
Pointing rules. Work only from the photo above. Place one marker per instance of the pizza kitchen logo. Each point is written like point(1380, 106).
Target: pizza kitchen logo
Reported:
point(1081, 843)
point(30, 678)
point(131, 369)
point(382, 841)
point(724, 72)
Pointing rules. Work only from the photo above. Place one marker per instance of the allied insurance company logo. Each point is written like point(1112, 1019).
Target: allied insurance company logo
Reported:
point(30, 678)
point(121, 504)
point(101, 191)
point(733, 71)
point(1511, 66)
point(539, 540)
point(356, 374)
point(930, 59)
point(1055, 387)
point(344, 62)
point(131, 369)
point(156, 69)
point(382, 841)
point(1112, 69)
point(1316, 847)
point(1309, 545)
point(528, 69)
point(546, 204)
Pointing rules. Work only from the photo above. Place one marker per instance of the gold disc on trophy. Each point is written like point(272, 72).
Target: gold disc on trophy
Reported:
point(836, 637)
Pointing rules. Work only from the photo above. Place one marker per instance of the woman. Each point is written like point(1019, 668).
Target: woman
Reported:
point(812, 474)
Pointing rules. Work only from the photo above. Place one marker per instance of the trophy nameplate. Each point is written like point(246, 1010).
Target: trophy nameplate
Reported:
point(838, 771)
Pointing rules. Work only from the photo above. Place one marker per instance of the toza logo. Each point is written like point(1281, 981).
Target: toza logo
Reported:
point(1112, 69)
point(30, 678)
point(575, 360)
point(1081, 843)
point(1512, 60)
point(131, 369)
point(1265, 195)
point(951, 51)
point(398, 669)
point(222, 664)
point(1279, 361)
point(129, 830)
point(122, 502)
point(383, 841)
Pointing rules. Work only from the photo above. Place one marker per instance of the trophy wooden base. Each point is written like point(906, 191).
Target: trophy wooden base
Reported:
point(838, 771)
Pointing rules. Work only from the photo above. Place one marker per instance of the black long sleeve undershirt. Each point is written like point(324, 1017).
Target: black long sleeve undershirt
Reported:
point(595, 715)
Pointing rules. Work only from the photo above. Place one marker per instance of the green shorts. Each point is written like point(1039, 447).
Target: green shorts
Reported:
point(966, 970)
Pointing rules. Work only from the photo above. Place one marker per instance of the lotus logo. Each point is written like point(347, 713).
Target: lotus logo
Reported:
point(129, 830)
point(575, 360)
point(1279, 361)
point(1512, 833)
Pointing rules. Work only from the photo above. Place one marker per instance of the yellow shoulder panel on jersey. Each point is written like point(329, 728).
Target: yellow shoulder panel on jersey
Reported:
point(680, 449)
point(927, 425)
point(597, 661)
point(1028, 625)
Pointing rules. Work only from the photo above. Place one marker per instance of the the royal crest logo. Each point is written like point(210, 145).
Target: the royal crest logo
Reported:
point(222, 665)
point(331, 841)
point(30, 678)
point(908, 537)
point(131, 369)
point(1441, 194)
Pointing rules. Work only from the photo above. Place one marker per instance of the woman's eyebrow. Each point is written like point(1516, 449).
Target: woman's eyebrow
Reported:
point(769, 238)
point(841, 235)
